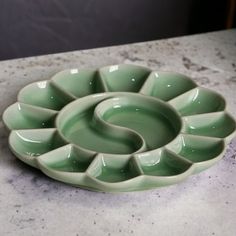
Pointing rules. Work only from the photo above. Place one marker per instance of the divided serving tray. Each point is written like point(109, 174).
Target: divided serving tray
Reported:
point(119, 128)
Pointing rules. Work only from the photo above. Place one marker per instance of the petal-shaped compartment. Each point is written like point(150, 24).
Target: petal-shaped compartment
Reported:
point(162, 163)
point(203, 151)
point(124, 78)
point(29, 144)
point(198, 101)
point(79, 83)
point(67, 159)
point(166, 85)
point(23, 116)
point(218, 124)
point(67, 164)
point(44, 94)
point(114, 169)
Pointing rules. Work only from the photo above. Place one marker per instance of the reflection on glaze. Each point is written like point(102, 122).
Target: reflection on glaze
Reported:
point(74, 71)
point(29, 140)
point(113, 68)
point(42, 84)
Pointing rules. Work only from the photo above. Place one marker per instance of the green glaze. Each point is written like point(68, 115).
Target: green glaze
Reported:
point(119, 128)
point(152, 125)
point(198, 101)
point(44, 94)
point(153, 120)
point(68, 159)
point(79, 83)
point(123, 78)
point(218, 124)
point(198, 150)
point(23, 116)
point(29, 144)
point(165, 85)
point(162, 163)
point(112, 171)
point(83, 131)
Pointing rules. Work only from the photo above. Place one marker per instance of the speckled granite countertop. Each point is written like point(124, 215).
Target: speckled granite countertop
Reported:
point(205, 204)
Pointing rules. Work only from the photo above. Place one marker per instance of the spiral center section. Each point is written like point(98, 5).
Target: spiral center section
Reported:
point(118, 123)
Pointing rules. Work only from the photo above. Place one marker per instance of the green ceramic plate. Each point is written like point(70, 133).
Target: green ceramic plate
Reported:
point(119, 128)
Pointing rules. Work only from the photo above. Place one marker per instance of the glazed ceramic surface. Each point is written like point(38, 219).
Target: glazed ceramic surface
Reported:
point(119, 128)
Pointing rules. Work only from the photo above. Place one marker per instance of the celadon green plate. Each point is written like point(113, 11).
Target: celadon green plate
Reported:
point(118, 128)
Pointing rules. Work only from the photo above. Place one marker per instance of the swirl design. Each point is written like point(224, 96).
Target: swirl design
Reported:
point(121, 123)
point(118, 128)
